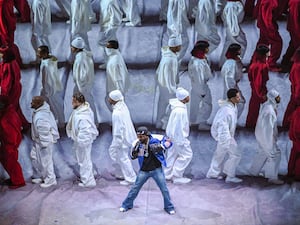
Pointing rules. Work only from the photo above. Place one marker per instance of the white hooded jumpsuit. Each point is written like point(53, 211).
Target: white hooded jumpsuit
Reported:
point(44, 134)
point(180, 155)
point(51, 88)
point(123, 136)
point(116, 71)
point(82, 130)
point(201, 101)
point(167, 78)
point(268, 155)
point(232, 16)
point(83, 76)
point(205, 24)
point(232, 73)
point(222, 130)
point(41, 23)
point(80, 22)
point(178, 23)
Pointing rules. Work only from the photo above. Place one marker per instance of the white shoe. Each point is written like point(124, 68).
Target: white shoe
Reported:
point(46, 185)
point(219, 177)
point(86, 185)
point(131, 24)
point(102, 66)
point(233, 180)
point(181, 180)
point(36, 180)
point(171, 212)
point(122, 209)
point(125, 182)
point(68, 21)
point(275, 181)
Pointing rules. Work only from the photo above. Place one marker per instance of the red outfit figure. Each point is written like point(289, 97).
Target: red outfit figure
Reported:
point(23, 8)
point(10, 85)
point(258, 76)
point(293, 26)
point(8, 22)
point(249, 8)
point(295, 89)
point(268, 13)
point(10, 139)
point(294, 134)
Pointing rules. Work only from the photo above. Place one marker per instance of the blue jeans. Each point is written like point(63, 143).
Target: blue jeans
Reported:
point(142, 177)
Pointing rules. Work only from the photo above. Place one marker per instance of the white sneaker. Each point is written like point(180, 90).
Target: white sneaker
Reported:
point(233, 180)
point(275, 181)
point(122, 209)
point(181, 180)
point(46, 185)
point(102, 66)
point(86, 185)
point(36, 180)
point(125, 182)
point(219, 177)
point(171, 212)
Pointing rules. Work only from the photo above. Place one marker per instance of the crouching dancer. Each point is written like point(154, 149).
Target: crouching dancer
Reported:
point(149, 152)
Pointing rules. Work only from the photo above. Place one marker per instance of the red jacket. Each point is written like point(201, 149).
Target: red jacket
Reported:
point(7, 22)
point(258, 75)
point(24, 10)
point(10, 77)
point(295, 82)
point(269, 12)
point(293, 22)
point(294, 132)
point(10, 127)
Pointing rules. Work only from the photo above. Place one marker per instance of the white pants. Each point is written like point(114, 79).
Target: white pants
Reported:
point(120, 156)
point(83, 156)
point(269, 160)
point(178, 158)
point(201, 107)
point(218, 165)
point(42, 163)
point(162, 114)
point(131, 11)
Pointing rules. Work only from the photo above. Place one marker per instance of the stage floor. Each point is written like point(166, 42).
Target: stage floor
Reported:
point(203, 201)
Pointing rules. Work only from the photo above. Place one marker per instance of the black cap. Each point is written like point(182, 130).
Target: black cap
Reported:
point(143, 130)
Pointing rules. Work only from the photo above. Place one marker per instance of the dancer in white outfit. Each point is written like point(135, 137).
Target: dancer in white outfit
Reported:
point(131, 11)
point(167, 79)
point(41, 23)
point(44, 134)
point(109, 21)
point(232, 16)
point(232, 73)
point(83, 71)
point(205, 23)
point(178, 23)
point(223, 130)
point(51, 84)
point(180, 155)
point(124, 135)
point(80, 21)
point(116, 69)
point(268, 155)
point(200, 73)
point(82, 130)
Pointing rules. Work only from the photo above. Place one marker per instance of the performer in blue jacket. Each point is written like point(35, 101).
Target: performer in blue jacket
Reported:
point(150, 153)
